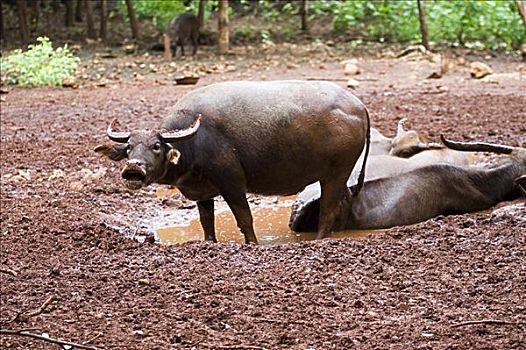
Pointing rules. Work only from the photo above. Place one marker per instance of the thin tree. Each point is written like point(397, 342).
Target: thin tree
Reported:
point(201, 12)
point(133, 19)
point(223, 44)
point(103, 19)
point(2, 28)
point(35, 12)
point(55, 5)
point(522, 10)
point(21, 7)
point(70, 13)
point(90, 25)
point(78, 10)
point(423, 23)
point(304, 12)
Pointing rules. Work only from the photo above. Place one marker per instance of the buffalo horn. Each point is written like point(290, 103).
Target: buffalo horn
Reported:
point(170, 136)
point(121, 137)
point(476, 146)
point(400, 128)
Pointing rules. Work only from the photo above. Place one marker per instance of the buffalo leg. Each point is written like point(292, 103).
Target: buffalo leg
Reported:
point(182, 47)
point(332, 192)
point(195, 37)
point(206, 216)
point(174, 46)
point(241, 210)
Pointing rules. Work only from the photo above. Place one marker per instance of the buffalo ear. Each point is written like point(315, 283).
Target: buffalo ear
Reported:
point(113, 152)
point(173, 155)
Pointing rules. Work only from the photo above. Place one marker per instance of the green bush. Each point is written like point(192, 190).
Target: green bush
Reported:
point(40, 65)
point(485, 23)
point(161, 12)
point(493, 24)
point(244, 32)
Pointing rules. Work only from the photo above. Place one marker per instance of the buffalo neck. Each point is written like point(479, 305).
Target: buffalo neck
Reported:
point(174, 171)
point(498, 183)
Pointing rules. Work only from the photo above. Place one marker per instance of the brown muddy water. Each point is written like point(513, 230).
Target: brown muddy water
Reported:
point(174, 224)
point(271, 223)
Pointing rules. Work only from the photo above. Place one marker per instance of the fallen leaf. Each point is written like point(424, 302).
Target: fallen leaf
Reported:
point(353, 83)
point(144, 281)
point(435, 75)
point(76, 186)
point(129, 49)
point(70, 83)
point(351, 69)
point(57, 173)
point(479, 70)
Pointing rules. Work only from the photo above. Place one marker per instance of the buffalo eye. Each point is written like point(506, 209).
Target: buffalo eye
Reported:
point(156, 147)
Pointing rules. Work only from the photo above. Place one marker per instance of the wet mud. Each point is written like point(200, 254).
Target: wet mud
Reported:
point(71, 231)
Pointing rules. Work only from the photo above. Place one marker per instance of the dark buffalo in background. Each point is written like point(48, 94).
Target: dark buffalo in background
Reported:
point(271, 138)
point(185, 29)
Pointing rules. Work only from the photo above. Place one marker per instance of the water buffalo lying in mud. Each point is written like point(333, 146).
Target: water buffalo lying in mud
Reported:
point(424, 192)
point(405, 144)
point(406, 151)
point(271, 138)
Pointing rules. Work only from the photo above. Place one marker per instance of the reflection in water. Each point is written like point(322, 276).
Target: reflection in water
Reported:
point(270, 223)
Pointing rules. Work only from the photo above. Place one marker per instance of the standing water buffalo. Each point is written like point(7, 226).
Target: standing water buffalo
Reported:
point(183, 29)
point(423, 192)
point(271, 138)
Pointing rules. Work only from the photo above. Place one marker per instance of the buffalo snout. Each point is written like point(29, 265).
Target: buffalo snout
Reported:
point(134, 173)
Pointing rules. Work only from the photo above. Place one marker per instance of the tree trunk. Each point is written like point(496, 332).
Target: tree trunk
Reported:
point(423, 23)
point(2, 27)
point(304, 12)
point(201, 12)
point(167, 48)
point(35, 12)
point(103, 19)
point(521, 7)
point(78, 11)
point(55, 5)
point(90, 25)
point(70, 13)
point(254, 7)
point(223, 44)
point(21, 7)
point(133, 19)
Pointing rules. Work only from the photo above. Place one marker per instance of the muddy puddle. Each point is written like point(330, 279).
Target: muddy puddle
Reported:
point(180, 223)
point(271, 223)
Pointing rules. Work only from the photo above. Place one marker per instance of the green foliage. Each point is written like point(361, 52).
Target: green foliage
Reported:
point(266, 36)
point(489, 24)
point(244, 32)
point(277, 11)
point(160, 12)
point(492, 24)
point(40, 65)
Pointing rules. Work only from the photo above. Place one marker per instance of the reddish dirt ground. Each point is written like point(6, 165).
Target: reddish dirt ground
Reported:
point(414, 287)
